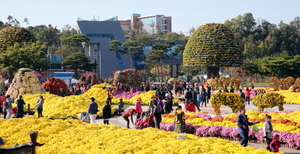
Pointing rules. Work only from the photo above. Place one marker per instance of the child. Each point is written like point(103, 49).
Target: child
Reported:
point(275, 144)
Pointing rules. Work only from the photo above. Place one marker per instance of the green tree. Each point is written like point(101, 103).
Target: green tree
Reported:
point(11, 35)
point(78, 61)
point(26, 55)
point(131, 47)
point(46, 34)
point(155, 56)
point(212, 45)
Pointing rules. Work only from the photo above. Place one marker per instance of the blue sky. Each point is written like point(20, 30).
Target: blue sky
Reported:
point(185, 13)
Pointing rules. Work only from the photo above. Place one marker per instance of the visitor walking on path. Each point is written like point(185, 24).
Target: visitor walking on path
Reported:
point(39, 106)
point(157, 115)
point(138, 108)
point(243, 126)
point(204, 98)
point(247, 94)
point(92, 110)
point(267, 128)
point(8, 106)
point(106, 112)
point(20, 105)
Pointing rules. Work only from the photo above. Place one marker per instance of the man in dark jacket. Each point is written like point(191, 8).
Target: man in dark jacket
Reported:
point(106, 113)
point(188, 95)
point(243, 126)
point(157, 115)
point(20, 105)
point(169, 104)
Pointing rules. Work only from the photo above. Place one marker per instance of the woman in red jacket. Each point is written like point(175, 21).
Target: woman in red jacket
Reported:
point(247, 94)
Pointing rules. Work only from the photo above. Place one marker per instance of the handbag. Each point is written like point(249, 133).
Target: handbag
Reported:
point(255, 128)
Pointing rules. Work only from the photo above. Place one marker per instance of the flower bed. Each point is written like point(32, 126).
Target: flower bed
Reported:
point(70, 106)
point(286, 124)
point(290, 96)
point(73, 136)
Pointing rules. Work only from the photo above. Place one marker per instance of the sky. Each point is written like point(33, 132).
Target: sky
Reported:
point(185, 13)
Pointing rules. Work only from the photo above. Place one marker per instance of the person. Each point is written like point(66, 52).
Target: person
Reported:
point(20, 107)
point(275, 144)
point(179, 122)
point(153, 99)
point(92, 110)
point(169, 104)
point(231, 89)
point(267, 129)
point(39, 106)
point(243, 126)
point(8, 106)
point(138, 108)
point(194, 100)
point(109, 95)
point(242, 94)
point(225, 90)
point(252, 86)
point(188, 95)
point(208, 93)
point(157, 115)
point(106, 112)
point(121, 105)
point(1, 104)
point(160, 103)
point(126, 115)
point(247, 94)
point(199, 100)
point(204, 97)
point(182, 104)
point(191, 107)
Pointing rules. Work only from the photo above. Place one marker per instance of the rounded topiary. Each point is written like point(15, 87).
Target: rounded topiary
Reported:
point(212, 45)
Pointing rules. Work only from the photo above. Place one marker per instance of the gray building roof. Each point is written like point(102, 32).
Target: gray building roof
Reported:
point(100, 34)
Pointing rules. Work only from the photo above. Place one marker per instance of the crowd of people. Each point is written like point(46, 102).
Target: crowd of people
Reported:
point(7, 110)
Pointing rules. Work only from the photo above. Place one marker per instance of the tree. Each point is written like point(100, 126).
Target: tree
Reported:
point(130, 48)
point(76, 40)
point(46, 34)
point(156, 54)
point(26, 55)
point(11, 35)
point(212, 45)
point(78, 61)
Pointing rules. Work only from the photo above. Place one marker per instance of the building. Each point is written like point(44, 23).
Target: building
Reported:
point(97, 49)
point(150, 24)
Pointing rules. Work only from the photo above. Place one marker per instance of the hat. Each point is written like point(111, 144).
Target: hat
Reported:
point(167, 95)
point(139, 99)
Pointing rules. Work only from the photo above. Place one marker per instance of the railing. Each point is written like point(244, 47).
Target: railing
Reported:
point(26, 148)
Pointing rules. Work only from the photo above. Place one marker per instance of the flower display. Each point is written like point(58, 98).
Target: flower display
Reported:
point(55, 85)
point(284, 123)
point(70, 106)
point(25, 82)
point(129, 77)
point(290, 97)
point(73, 136)
point(268, 100)
point(228, 99)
